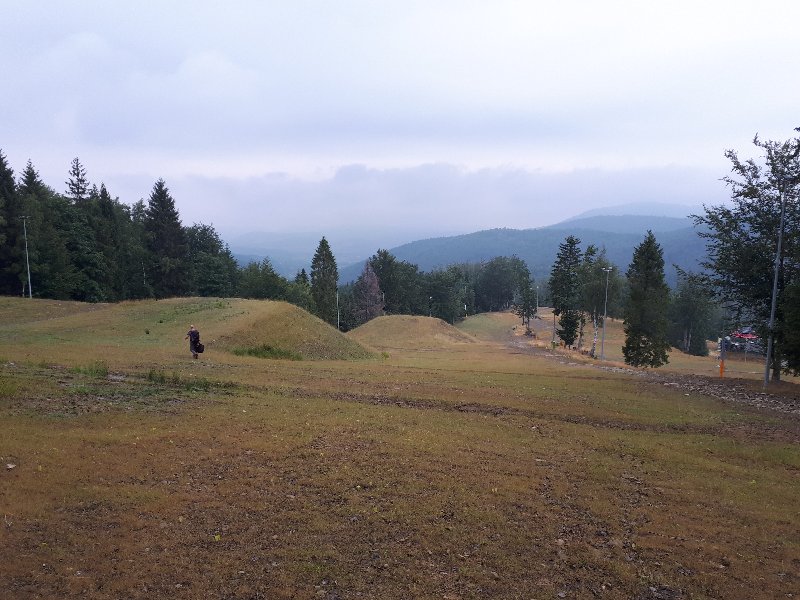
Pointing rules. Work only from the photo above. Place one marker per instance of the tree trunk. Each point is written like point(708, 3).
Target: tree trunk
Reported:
point(776, 364)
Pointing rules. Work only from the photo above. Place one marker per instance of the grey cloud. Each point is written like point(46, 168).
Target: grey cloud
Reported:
point(430, 200)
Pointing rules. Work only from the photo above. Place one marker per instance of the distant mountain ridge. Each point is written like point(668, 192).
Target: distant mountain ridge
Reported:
point(618, 234)
point(642, 209)
point(618, 229)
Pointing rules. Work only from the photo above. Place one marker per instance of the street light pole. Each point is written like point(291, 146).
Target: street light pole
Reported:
point(775, 286)
point(605, 312)
point(27, 261)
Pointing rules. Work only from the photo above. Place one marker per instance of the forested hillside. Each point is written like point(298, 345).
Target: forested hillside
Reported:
point(537, 247)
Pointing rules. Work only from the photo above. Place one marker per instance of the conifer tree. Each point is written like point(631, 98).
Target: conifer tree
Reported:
point(166, 243)
point(9, 217)
point(646, 311)
point(77, 184)
point(565, 289)
point(324, 281)
point(7, 190)
point(52, 271)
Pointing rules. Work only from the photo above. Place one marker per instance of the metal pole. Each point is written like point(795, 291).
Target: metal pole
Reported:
point(338, 324)
point(27, 261)
point(605, 312)
point(774, 290)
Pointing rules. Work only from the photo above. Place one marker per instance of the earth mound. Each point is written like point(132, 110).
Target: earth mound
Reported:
point(155, 329)
point(409, 332)
point(283, 327)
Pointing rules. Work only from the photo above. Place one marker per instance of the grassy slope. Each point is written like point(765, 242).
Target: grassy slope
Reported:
point(464, 470)
point(152, 332)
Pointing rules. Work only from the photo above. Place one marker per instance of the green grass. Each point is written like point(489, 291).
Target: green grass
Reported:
point(96, 368)
point(267, 351)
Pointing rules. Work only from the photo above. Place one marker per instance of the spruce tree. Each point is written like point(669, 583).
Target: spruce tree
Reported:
point(53, 273)
point(166, 242)
point(646, 312)
point(7, 190)
point(9, 226)
point(565, 289)
point(324, 281)
point(77, 184)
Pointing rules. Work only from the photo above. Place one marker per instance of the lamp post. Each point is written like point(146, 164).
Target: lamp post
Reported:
point(27, 261)
point(607, 271)
point(775, 283)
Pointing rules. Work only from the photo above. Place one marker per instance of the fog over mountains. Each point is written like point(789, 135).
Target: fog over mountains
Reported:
point(618, 229)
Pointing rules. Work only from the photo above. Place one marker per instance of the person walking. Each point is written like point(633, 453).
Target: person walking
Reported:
point(194, 341)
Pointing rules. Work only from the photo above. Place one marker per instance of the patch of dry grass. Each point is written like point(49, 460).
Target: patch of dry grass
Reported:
point(447, 470)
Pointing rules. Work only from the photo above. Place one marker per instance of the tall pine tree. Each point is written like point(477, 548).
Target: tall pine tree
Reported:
point(565, 289)
point(324, 282)
point(77, 184)
point(646, 312)
point(53, 273)
point(9, 230)
point(168, 272)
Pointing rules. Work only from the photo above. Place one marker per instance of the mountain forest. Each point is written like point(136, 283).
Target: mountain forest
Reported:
point(84, 244)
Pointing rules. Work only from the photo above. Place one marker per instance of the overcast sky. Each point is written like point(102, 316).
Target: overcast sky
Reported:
point(427, 117)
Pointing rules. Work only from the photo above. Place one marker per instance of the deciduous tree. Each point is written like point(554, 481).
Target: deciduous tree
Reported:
point(742, 238)
point(691, 313)
point(367, 296)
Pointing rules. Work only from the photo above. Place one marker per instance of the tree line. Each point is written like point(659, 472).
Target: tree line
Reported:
point(83, 244)
point(751, 273)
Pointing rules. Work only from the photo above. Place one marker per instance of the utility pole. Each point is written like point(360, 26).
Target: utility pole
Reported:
point(27, 261)
point(607, 271)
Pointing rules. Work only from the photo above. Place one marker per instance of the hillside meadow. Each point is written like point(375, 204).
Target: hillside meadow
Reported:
point(405, 459)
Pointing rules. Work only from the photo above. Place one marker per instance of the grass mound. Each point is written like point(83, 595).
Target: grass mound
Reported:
point(152, 331)
point(282, 330)
point(409, 332)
